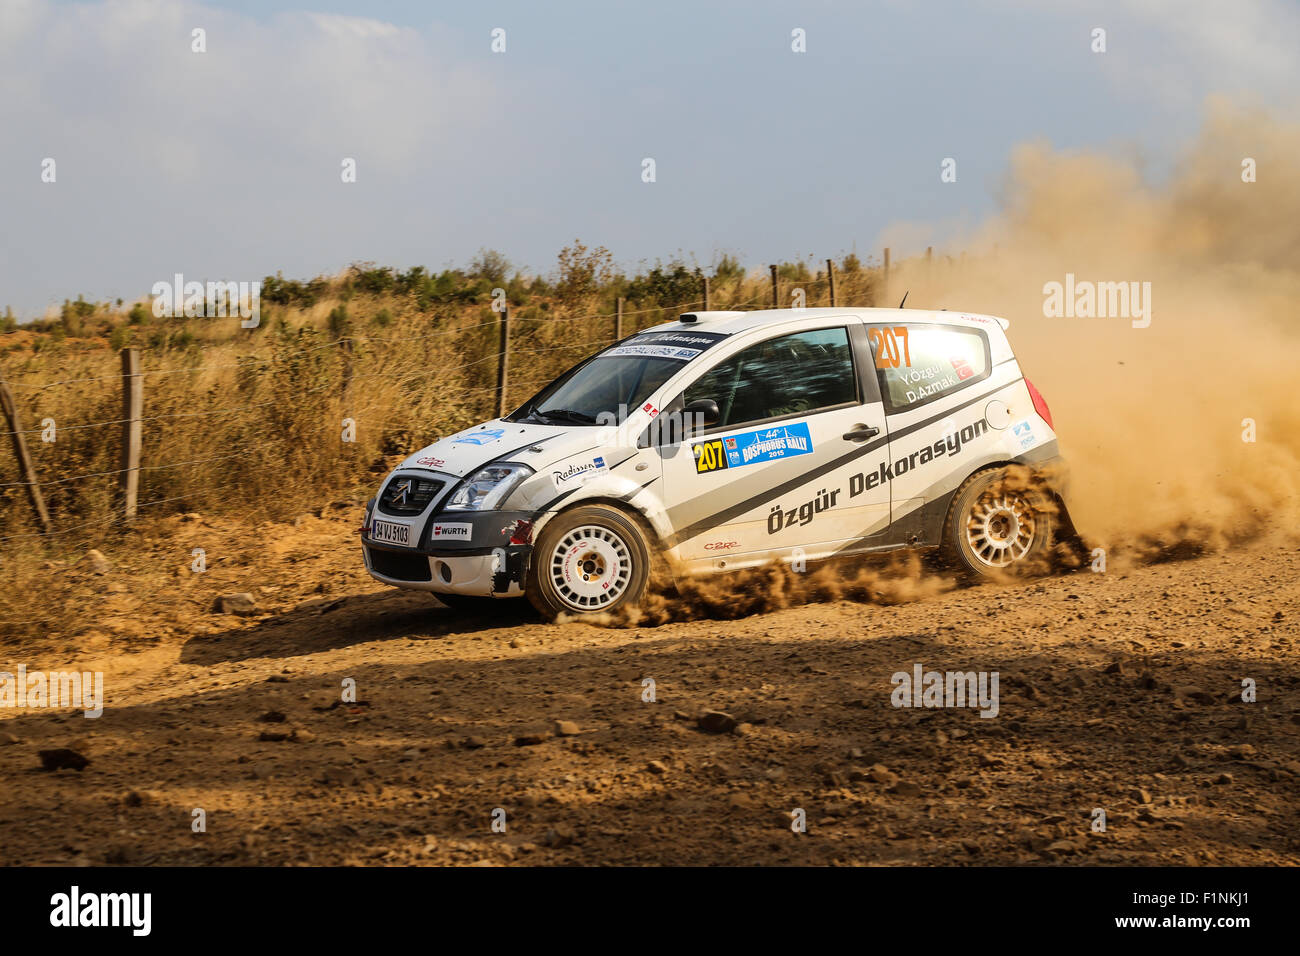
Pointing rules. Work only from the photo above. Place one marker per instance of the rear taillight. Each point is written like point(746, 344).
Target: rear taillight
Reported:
point(1040, 404)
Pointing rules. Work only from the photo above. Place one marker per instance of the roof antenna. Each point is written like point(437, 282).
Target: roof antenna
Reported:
point(900, 305)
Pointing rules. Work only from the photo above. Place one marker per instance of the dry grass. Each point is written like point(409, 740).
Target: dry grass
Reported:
point(250, 423)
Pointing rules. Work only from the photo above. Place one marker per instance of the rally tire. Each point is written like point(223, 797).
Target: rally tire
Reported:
point(593, 559)
point(997, 526)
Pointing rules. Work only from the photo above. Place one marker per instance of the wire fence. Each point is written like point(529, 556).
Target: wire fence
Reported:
point(409, 385)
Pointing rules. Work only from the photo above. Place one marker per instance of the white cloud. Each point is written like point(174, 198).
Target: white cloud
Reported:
point(297, 88)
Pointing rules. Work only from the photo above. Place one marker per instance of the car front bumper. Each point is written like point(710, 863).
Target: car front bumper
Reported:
point(495, 573)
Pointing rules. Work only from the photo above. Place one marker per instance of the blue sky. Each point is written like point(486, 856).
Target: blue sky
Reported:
point(225, 165)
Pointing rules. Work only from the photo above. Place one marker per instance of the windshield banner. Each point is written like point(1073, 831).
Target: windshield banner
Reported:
point(677, 346)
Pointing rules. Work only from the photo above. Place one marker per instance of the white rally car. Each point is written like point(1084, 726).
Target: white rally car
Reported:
point(726, 440)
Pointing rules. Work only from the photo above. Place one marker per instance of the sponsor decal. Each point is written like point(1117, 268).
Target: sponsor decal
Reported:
point(749, 448)
point(1024, 433)
point(390, 532)
point(431, 462)
point(697, 340)
point(649, 409)
point(652, 351)
point(802, 515)
point(462, 530)
point(483, 436)
point(721, 545)
point(962, 368)
point(579, 473)
point(677, 346)
point(784, 441)
point(950, 445)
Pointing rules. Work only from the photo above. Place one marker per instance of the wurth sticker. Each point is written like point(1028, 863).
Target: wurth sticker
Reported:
point(460, 530)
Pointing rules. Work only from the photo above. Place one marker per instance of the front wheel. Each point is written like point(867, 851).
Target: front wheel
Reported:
point(998, 524)
point(589, 560)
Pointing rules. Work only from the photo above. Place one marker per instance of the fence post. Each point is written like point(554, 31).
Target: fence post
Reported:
point(706, 293)
point(886, 265)
point(25, 467)
point(618, 320)
point(830, 275)
point(132, 430)
point(503, 360)
point(929, 259)
point(776, 298)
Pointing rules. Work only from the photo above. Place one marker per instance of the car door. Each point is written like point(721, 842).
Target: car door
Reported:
point(773, 477)
point(934, 384)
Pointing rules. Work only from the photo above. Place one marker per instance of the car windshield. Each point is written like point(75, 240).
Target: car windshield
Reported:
point(604, 391)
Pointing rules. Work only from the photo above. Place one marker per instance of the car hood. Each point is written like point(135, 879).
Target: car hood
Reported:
point(534, 445)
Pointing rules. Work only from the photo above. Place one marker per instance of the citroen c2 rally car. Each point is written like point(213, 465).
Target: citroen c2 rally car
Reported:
point(726, 440)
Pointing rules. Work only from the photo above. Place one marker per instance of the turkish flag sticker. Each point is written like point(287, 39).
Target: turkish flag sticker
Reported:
point(964, 371)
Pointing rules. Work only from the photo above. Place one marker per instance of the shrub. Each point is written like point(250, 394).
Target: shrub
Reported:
point(582, 271)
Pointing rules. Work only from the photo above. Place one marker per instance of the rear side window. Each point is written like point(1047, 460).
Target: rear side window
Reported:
point(795, 374)
point(918, 364)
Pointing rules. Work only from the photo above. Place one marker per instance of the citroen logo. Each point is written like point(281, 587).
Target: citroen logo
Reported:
point(404, 489)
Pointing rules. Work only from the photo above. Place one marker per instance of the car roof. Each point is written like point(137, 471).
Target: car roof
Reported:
point(733, 322)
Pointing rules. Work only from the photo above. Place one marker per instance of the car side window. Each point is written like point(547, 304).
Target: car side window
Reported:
point(917, 364)
point(795, 374)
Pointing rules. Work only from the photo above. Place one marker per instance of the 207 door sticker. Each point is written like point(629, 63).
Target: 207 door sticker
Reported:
point(749, 448)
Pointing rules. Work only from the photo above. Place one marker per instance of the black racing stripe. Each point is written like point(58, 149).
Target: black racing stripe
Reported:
point(754, 501)
point(555, 501)
point(636, 491)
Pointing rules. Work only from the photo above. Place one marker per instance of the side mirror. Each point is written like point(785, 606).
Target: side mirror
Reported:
point(702, 410)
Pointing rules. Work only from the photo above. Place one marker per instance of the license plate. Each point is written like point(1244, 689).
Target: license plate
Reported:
point(390, 532)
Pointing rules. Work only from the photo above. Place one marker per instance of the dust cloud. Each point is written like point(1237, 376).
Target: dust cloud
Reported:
point(1151, 406)
point(1151, 419)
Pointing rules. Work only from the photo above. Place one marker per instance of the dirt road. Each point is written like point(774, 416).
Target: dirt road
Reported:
point(1117, 690)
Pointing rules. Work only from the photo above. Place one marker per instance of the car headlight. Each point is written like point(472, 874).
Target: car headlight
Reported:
point(487, 488)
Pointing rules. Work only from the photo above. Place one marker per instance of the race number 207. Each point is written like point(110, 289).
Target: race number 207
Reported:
point(885, 344)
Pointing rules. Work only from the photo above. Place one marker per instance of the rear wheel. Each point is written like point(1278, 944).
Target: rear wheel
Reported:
point(589, 560)
point(998, 525)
